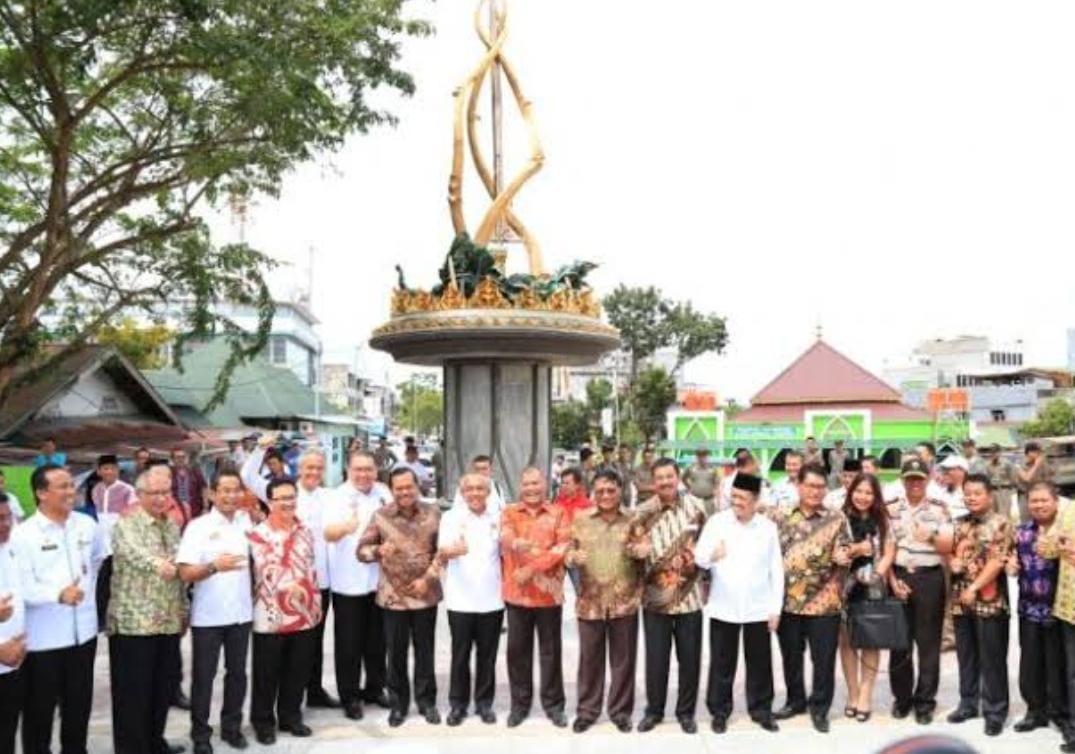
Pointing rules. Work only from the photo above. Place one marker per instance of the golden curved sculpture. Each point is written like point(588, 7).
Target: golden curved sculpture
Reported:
point(491, 24)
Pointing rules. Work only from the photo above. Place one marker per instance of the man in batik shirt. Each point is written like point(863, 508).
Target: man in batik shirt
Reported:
point(983, 541)
point(814, 542)
point(673, 596)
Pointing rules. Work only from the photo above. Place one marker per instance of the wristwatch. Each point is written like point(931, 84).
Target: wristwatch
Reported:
point(212, 568)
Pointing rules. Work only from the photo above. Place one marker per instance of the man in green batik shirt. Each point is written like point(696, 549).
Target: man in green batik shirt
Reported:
point(146, 616)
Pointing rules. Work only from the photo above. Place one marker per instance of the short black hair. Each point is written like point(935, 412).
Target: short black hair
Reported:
point(1032, 446)
point(793, 454)
point(871, 458)
point(275, 484)
point(481, 458)
point(982, 479)
point(742, 458)
point(585, 454)
point(928, 446)
point(39, 480)
point(4, 498)
point(665, 461)
point(609, 475)
point(812, 469)
point(226, 471)
point(574, 473)
point(402, 471)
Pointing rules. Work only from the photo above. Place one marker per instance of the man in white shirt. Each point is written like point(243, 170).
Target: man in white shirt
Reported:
point(835, 499)
point(214, 556)
point(310, 510)
point(741, 550)
point(358, 623)
point(785, 493)
point(470, 547)
point(59, 553)
point(483, 465)
point(12, 635)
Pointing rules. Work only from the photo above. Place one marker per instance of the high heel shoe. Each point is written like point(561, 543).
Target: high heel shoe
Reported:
point(862, 715)
point(849, 711)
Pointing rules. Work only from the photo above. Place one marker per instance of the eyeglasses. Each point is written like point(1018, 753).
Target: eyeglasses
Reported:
point(158, 494)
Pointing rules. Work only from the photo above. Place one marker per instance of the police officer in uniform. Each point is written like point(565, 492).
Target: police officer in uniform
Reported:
point(702, 480)
point(923, 532)
point(643, 477)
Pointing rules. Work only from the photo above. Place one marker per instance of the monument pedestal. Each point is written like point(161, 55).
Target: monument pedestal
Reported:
point(497, 378)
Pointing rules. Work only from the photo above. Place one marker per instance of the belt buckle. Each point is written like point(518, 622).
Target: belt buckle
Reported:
point(910, 569)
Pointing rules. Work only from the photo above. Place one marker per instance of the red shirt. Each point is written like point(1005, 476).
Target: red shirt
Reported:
point(573, 505)
point(544, 534)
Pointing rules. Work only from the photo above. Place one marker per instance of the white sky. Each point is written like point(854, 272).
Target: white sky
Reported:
point(897, 171)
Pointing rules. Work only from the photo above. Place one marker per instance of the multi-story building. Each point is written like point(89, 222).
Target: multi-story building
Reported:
point(569, 383)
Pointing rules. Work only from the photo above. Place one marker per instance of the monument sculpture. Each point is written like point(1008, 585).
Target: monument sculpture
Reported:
point(497, 335)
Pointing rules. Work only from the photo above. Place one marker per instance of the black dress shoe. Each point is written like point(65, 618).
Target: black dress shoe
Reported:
point(900, 711)
point(353, 710)
point(623, 725)
point(321, 699)
point(1068, 747)
point(265, 737)
point(456, 717)
point(203, 748)
point(396, 718)
point(581, 725)
point(821, 723)
point(688, 725)
point(719, 725)
point(174, 748)
point(961, 715)
point(648, 723)
point(234, 739)
point(181, 700)
point(788, 711)
point(431, 715)
point(993, 727)
point(923, 717)
point(487, 716)
point(558, 718)
point(768, 723)
point(300, 730)
point(516, 718)
point(1028, 724)
point(381, 700)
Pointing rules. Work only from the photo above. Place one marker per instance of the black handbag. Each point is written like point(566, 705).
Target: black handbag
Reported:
point(878, 624)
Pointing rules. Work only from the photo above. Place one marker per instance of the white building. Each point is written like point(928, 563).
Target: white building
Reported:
point(1071, 348)
point(569, 383)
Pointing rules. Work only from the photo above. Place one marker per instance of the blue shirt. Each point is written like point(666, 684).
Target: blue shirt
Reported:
point(56, 459)
point(1037, 576)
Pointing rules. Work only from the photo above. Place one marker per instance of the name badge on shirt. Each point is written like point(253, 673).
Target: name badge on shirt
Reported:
point(49, 547)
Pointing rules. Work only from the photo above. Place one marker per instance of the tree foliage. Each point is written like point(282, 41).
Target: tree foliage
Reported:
point(648, 321)
point(142, 345)
point(122, 120)
point(570, 425)
point(1057, 417)
point(652, 395)
point(598, 397)
point(421, 408)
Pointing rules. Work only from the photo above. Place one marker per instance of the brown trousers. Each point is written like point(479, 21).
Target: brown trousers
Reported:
point(619, 636)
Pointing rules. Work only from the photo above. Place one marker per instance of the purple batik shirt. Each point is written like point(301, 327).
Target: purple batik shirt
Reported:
point(1037, 576)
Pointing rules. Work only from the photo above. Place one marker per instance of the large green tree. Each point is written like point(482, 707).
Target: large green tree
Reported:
point(652, 395)
point(570, 424)
point(1057, 417)
point(421, 408)
point(122, 120)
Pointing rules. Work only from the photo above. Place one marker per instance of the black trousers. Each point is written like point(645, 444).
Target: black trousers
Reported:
point(523, 623)
point(479, 632)
point(63, 678)
point(316, 684)
point(12, 696)
point(616, 638)
point(1067, 632)
point(281, 665)
point(1043, 670)
point(359, 645)
point(206, 643)
point(144, 671)
point(821, 633)
point(403, 629)
point(104, 590)
point(723, 659)
point(982, 652)
point(685, 629)
point(925, 619)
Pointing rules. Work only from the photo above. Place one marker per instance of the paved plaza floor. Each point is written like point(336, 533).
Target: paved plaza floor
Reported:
point(334, 734)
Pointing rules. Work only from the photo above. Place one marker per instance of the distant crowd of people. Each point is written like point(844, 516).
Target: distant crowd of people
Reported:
point(254, 560)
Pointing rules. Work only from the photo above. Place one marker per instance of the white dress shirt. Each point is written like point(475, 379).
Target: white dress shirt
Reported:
point(15, 505)
point(310, 510)
point(253, 478)
point(472, 582)
point(9, 585)
point(225, 598)
point(346, 575)
point(50, 558)
point(748, 582)
point(785, 494)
